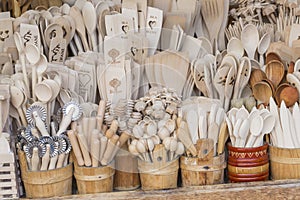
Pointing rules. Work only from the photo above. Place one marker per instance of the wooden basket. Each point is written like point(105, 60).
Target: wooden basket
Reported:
point(158, 176)
point(248, 164)
point(196, 171)
point(127, 174)
point(50, 183)
point(94, 179)
point(8, 184)
point(285, 163)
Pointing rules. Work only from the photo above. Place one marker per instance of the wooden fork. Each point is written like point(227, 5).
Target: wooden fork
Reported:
point(213, 12)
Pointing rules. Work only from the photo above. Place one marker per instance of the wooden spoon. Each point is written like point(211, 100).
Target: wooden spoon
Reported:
point(20, 47)
point(257, 75)
point(275, 72)
point(90, 21)
point(17, 99)
point(262, 92)
point(293, 80)
point(41, 67)
point(263, 46)
point(219, 82)
point(272, 56)
point(243, 76)
point(229, 85)
point(235, 47)
point(250, 39)
point(269, 122)
point(33, 55)
point(80, 28)
point(256, 125)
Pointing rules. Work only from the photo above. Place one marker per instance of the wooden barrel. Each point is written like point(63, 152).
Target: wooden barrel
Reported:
point(162, 176)
point(50, 183)
point(285, 163)
point(94, 179)
point(127, 174)
point(248, 164)
point(196, 171)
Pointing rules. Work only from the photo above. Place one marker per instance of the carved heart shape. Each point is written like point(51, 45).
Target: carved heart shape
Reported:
point(84, 79)
point(151, 24)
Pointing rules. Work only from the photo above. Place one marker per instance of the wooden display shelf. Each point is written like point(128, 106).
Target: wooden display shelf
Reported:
point(282, 189)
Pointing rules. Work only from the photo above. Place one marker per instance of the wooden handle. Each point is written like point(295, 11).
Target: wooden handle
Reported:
point(35, 132)
point(103, 144)
point(223, 136)
point(53, 162)
point(92, 129)
point(109, 149)
point(75, 147)
point(95, 151)
point(35, 160)
point(46, 158)
point(65, 122)
point(85, 129)
point(100, 115)
point(60, 161)
point(123, 138)
point(22, 116)
point(84, 149)
point(40, 124)
point(184, 137)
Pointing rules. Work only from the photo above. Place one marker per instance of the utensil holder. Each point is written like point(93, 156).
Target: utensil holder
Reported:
point(8, 184)
point(199, 171)
point(49, 183)
point(94, 179)
point(248, 164)
point(285, 163)
point(158, 175)
point(127, 174)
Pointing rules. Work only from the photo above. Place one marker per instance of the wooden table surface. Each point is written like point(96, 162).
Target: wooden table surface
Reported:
point(282, 189)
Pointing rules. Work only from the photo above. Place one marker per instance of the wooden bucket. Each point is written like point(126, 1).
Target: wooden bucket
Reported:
point(94, 179)
point(248, 164)
point(196, 171)
point(285, 163)
point(50, 183)
point(156, 176)
point(127, 174)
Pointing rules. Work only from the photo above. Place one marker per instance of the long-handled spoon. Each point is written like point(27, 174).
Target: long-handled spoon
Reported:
point(90, 18)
